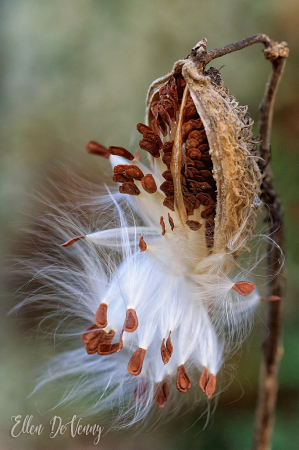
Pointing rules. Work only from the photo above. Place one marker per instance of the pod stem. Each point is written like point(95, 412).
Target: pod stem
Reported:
point(276, 53)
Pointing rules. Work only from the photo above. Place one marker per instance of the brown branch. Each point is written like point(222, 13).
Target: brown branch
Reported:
point(277, 54)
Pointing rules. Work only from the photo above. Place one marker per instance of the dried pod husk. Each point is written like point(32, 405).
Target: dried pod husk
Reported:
point(232, 148)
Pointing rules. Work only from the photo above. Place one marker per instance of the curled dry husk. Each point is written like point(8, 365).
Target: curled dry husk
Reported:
point(232, 148)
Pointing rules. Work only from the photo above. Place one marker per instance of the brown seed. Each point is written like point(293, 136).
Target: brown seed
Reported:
point(167, 188)
point(189, 162)
point(141, 390)
point(134, 172)
point(142, 244)
point(131, 321)
point(207, 212)
point(171, 223)
point(211, 386)
point(100, 337)
point(108, 349)
point(150, 146)
point(244, 287)
point(121, 168)
point(149, 184)
point(89, 332)
point(199, 164)
point(169, 203)
point(162, 223)
point(95, 148)
point(161, 125)
point(169, 345)
point(120, 178)
point(203, 149)
point(162, 393)
point(100, 317)
point(167, 147)
point(191, 143)
point(204, 378)
point(92, 345)
point(136, 362)
point(120, 340)
point(190, 126)
point(143, 128)
point(167, 175)
point(72, 241)
point(166, 350)
point(194, 153)
point(272, 298)
point(163, 114)
point(204, 186)
point(198, 135)
point(120, 151)
point(166, 158)
point(129, 188)
point(193, 225)
point(170, 107)
point(183, 382)
point(206, 174)
point(204, 199)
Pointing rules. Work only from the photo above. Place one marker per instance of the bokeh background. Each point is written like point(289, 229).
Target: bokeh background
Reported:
point(75, 70)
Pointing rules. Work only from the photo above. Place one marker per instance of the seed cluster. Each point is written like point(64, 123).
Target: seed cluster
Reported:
point(197, 182)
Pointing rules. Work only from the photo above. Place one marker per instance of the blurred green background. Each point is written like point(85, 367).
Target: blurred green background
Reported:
point(76, 70)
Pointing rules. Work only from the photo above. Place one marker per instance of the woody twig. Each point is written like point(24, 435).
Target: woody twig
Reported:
point(276, 53)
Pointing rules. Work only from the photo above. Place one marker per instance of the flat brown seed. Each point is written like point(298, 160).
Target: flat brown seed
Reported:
point(142, 244)
point(169, 345)
point(164, 352)
point(272, 298)
point(121, 168)
point(149, 184)
point(183, 382)
point(136, 362)
point(171, 223)
point(244, 287)
point(131, 321)
point(129, 187)
point(95, 148)
point(162, 393)
point(72, 241)
point(106, 349)
point(194, 153)
point(150, 146)
point(193, 225)
point(120, 178)
point(88, 333)
point(162, 223)
point(167, 147)
point(204, 378)
point(143, 128)
point(100, 317)
point(207, 212)
point(134, 172)
point(191, 143)
point(167, 175)
point(121, 151)
point(169, 203)
point(168, 188)
point(141, 390)
point(211, 386)
point(206, 174)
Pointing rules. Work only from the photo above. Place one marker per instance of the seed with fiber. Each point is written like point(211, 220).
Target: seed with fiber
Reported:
point(134, 172)
point(136, 362)
point(95, 148)
point(120, 151)
point(149, 184)
point(244, 287)
point(193, 225)
point(131, 321)
point(100, 317)
point(71, 241)
point(142, 244)
point(183, 382)
point(129, 188)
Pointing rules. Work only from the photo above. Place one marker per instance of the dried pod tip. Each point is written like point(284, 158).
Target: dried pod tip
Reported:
point(72, 241)
point(244, 287)
point(142, 244)
point(183, 382)
point(95, 148)
point(136, 362)
point(100, 317)
point(131, 321)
